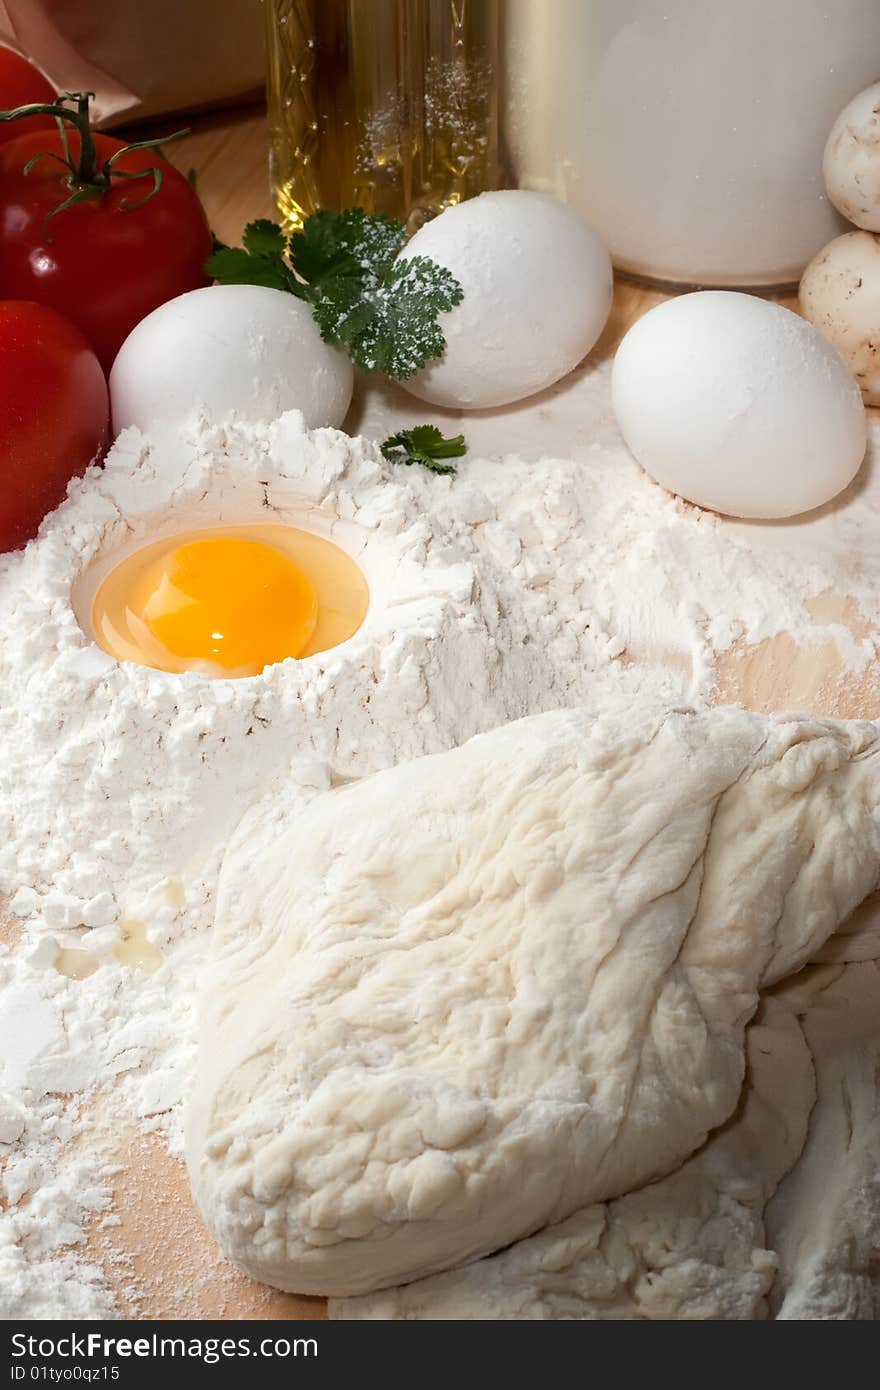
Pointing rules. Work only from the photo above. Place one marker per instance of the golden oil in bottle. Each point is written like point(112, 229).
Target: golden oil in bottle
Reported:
point(388, 105)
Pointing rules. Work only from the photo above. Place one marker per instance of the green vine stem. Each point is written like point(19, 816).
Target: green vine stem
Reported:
point(87, 180)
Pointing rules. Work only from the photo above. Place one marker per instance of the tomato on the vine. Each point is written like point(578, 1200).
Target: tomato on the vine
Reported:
point(21, 84)
point(101, 231)
point(54, 414)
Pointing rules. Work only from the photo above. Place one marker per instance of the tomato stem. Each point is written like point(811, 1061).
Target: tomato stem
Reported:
point(88, 180)
point(88, 154)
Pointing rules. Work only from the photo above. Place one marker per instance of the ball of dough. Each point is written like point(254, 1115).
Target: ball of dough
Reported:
point(840, 295)
point(537, 292)
point(229, 349)
point(851, 163)
point(465, 997)
point(738, 405)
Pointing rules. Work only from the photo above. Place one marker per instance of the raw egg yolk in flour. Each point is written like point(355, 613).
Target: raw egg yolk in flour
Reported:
point(229, 602)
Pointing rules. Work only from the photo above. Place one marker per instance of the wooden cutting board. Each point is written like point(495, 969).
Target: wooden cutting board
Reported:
point(159, 1259)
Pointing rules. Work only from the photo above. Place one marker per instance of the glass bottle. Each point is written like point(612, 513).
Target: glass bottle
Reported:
point(388, 105)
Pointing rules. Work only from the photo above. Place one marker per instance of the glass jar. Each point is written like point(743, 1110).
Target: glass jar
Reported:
point(690, 134)
point(388, 105)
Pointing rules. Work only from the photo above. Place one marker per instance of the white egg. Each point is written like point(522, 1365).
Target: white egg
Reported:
point(851, 162)
point(738, 405)
point(242, 349)
point(537, 293)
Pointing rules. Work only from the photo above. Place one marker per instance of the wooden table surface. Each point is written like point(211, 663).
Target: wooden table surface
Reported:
point(160, 1250)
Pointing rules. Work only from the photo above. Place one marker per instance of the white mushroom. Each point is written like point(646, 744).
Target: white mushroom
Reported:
point(851, 164)
point(840, 295)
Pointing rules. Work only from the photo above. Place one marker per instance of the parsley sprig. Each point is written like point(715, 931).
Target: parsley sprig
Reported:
point(424, 444)
point(344, 264)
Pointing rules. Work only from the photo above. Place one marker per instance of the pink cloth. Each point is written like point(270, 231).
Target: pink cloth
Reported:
point(142, 57)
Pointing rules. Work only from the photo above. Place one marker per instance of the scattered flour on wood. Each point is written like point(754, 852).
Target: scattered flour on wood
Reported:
point(519, 586)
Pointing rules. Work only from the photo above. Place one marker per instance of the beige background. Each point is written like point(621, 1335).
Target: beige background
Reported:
point(145, 56)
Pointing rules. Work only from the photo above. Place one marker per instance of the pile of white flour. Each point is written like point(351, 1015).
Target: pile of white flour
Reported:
point(513, 588)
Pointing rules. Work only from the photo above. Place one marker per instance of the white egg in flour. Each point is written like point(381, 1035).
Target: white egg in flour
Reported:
point(738, 405)
point(537, 293)
point(229, 349)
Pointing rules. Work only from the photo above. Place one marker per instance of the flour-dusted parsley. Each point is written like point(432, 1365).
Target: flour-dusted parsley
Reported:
point(424, 444)
point(344, 264)
point(258, 261)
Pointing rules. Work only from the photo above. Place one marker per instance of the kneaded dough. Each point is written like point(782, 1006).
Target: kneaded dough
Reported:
point(825, 1219)
point(691, 1246)
point(462, 999)
point(778, 1215)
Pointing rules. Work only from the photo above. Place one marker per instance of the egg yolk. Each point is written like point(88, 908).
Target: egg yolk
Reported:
point(234, 603)
point(229, 602)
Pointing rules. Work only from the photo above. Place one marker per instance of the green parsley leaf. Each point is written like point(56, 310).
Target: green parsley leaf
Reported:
point(424, 444)
point(259, 261)
point(264, 238)
point(383, 311)
point(389, 322)
point(233, 265)
point(345, 245)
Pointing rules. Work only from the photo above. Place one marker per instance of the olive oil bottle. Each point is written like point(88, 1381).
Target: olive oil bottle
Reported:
point(388, 105)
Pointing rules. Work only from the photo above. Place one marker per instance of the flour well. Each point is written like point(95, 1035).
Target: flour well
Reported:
point(521, 585)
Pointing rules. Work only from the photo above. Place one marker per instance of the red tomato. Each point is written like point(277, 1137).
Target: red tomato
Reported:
point(21, 85)
point(53, 414)
point(105, 263)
